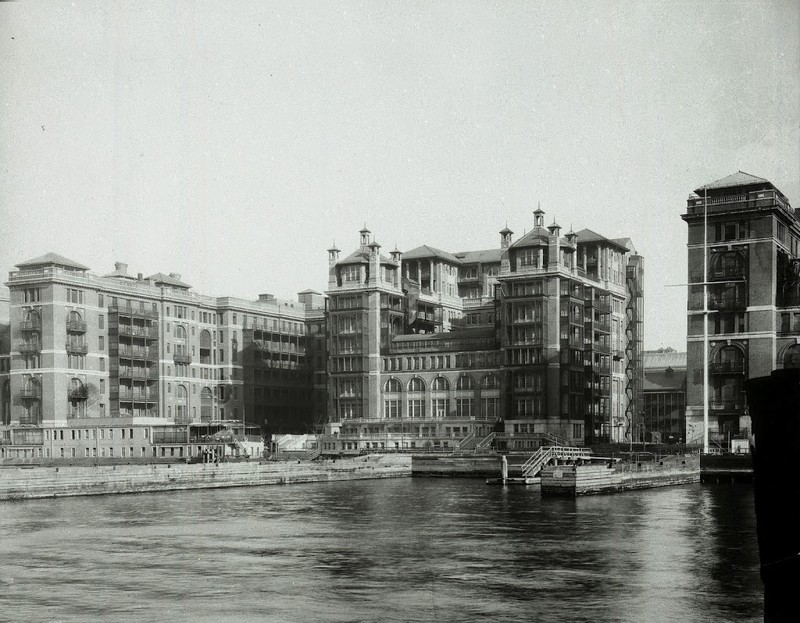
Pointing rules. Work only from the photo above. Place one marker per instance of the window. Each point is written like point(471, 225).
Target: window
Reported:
point(393, 386)
point(391, 408)
point(440, 384)
point(351, 273)
point(101, 343)
point(32, 295)
point(465, 382)
point(75, 296)
point(490, 381)
point(101, 321)
point(416, 385)
point(464, 407)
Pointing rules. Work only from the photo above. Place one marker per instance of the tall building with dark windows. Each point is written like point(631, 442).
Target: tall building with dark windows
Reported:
point(535, 341)
point(753, 257)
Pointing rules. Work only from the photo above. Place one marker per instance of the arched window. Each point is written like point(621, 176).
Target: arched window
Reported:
point(31, 400)
point(416, 385)
point(465, 382)
point(490, 381)
point(791, 358)
point(75, 323)
point(416, 401)
point(32, 319)
point(181, 404)
point(205, 347)
point(729, 359)
point(440, 384)
point(181, 346)
point(393, 386)
point(728, 264)
point(206, 404)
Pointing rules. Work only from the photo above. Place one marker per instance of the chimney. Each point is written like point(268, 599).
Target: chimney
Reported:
point(139, 276)
point(121, 267)
point(175, 275)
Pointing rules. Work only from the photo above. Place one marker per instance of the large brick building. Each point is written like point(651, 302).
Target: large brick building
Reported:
point(537, 339)
point(127, 366)
point(753, 276)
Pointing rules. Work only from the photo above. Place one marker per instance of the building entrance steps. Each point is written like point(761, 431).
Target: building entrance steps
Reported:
point(545, 454)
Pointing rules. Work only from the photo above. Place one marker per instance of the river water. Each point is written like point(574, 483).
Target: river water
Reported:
point(383, 550)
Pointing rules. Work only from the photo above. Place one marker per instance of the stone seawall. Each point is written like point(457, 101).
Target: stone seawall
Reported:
point(574, 480)
point(41, 482)
point(456, 466)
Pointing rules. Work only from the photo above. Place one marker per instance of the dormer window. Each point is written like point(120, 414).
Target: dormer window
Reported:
point(351, 273)
point(528, 257)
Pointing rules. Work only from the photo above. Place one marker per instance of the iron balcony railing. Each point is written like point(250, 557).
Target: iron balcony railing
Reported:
point(151, 396)
point(138, 352)
point(726, 302)
point(76, 326)
point(132, 311)
point(126, 329)
point(77, 348)
point(29, 347)
point(31, 325)
point(727, 367)
point(138, 373)
point(31, 393)
point(183, 358)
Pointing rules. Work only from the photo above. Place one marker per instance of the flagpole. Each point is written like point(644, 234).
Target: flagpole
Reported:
point(705, 320)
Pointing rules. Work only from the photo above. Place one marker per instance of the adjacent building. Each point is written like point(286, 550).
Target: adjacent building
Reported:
point(537, 340)
point(753, 279)
point(664, 396)
point(117, 365)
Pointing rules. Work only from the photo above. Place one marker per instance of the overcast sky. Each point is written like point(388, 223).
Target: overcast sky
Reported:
point(233, 142)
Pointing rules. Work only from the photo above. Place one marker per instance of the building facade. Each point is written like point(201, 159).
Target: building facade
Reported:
point(536, 340)
point(664, 396)
point(753, 273)
point(98, 360)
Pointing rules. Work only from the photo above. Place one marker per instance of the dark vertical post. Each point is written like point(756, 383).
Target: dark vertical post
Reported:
point(775, 410)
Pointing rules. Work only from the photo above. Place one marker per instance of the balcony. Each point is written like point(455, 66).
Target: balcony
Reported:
point(150, 396)
point(135, 331)
point(77, 348)
point(29, 348)
point(132, 311)
point(138, 352)
point(727, 367)
point(726, 302)
point(182, 358)
point(31, 325)
point(76, 326)
point(79, 394)
point(600, 304)
point(747, 201)
point(138, 373)
point(31, 393)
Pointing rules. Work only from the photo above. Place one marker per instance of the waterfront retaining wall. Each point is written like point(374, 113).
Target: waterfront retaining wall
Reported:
point(39, 482)
point(456, 466)
point(574, 480)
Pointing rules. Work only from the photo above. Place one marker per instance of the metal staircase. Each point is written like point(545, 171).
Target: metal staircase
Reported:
point(544, 455)
point(468, 443)
point(486, 443)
